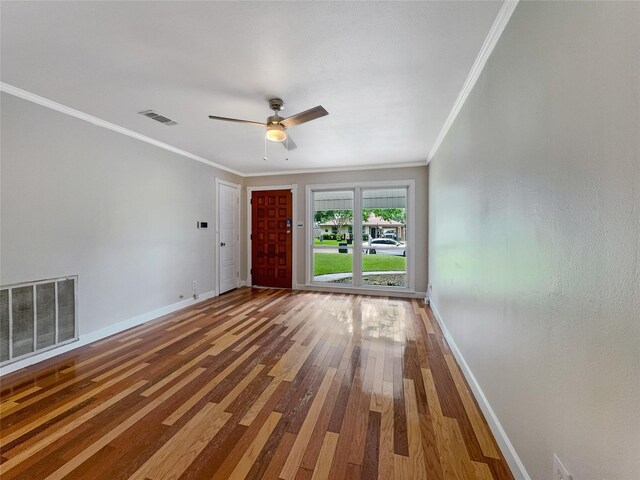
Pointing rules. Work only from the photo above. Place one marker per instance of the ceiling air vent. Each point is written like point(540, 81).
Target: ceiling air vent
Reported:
point(158, 118)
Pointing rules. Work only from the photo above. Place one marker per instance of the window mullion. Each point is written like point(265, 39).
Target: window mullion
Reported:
point(310, 260)
point(357, 234)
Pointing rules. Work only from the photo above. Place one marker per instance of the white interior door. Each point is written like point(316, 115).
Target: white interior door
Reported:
point(229, 237)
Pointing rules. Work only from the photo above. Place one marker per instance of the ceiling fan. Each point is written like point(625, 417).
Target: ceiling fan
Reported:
point(276, 125)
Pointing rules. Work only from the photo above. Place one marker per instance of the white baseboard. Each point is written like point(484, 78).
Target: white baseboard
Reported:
point(105, 332)
point(360, 291)
point(242, 283)
point(509, 452)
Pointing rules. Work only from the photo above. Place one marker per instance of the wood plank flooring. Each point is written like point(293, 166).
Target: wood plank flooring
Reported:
point(270, 384)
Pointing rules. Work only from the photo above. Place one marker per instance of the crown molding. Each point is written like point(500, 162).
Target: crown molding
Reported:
point(500, 23)
point(45, 102)
point(338, 169)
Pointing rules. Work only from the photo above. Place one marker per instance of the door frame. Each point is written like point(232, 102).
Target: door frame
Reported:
point(410, 185)
point(294, 228)
point(216, 248)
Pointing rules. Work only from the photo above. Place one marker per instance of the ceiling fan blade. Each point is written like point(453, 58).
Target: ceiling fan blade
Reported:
point(260, 124)
point(289, 144)
point(303, 117)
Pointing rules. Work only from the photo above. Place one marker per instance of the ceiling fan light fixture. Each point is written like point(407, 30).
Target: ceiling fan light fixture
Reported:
point(276, 133)
point(276, 126)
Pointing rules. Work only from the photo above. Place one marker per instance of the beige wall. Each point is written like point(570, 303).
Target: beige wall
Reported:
point(419, 174)
point(535, 236)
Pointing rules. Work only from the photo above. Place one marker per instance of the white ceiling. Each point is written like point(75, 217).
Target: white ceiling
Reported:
point(387, 72)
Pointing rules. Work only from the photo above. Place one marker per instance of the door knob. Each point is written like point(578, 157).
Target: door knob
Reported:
point(222, 244)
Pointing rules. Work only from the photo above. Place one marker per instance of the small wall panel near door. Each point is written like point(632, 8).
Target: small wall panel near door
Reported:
point(271, 244)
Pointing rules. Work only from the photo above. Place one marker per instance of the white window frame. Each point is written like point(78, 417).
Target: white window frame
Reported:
point(357, 232)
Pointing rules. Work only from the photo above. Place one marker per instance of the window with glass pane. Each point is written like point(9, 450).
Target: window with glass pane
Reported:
point(333, 237)
point(384, 237)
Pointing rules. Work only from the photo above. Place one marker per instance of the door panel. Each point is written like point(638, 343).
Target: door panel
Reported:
point(229, 208)
point(271, 245)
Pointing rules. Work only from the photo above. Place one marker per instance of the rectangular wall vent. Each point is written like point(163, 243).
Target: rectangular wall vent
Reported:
point(158, 118)
point(37, 316)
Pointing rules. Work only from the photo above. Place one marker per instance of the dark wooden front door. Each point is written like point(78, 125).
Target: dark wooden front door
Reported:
point(271, 232)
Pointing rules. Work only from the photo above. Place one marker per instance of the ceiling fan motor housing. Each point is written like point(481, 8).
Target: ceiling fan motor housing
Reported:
point(273, 119)
point(275, 130)
point(276, 104)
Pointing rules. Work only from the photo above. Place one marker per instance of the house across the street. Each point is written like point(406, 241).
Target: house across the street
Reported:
point(373, 227)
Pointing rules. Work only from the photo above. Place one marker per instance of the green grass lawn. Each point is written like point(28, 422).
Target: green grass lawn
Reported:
point(327, 243)
point(341, 263)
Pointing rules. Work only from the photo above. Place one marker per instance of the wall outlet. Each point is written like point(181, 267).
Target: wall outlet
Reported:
point(559, 470)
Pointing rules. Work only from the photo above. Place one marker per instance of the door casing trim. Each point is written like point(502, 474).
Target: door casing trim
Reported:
point(294, 228)
point(410, 185)
point(216, 233)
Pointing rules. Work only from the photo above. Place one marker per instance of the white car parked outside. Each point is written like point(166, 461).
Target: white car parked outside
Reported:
point(386, 246)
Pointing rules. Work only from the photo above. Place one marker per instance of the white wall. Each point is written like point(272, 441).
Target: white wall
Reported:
point(534, 236)
point(77, 199)
point(419, 174)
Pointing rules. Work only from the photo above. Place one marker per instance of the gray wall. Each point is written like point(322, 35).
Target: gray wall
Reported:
point(419, 174)
point(77, 199)
point(534, 236)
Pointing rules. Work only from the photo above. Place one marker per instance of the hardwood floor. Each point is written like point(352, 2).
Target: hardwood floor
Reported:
point(254, 384)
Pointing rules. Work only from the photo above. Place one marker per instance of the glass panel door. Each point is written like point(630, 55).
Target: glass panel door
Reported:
point(333, 221)
point(384, 237)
